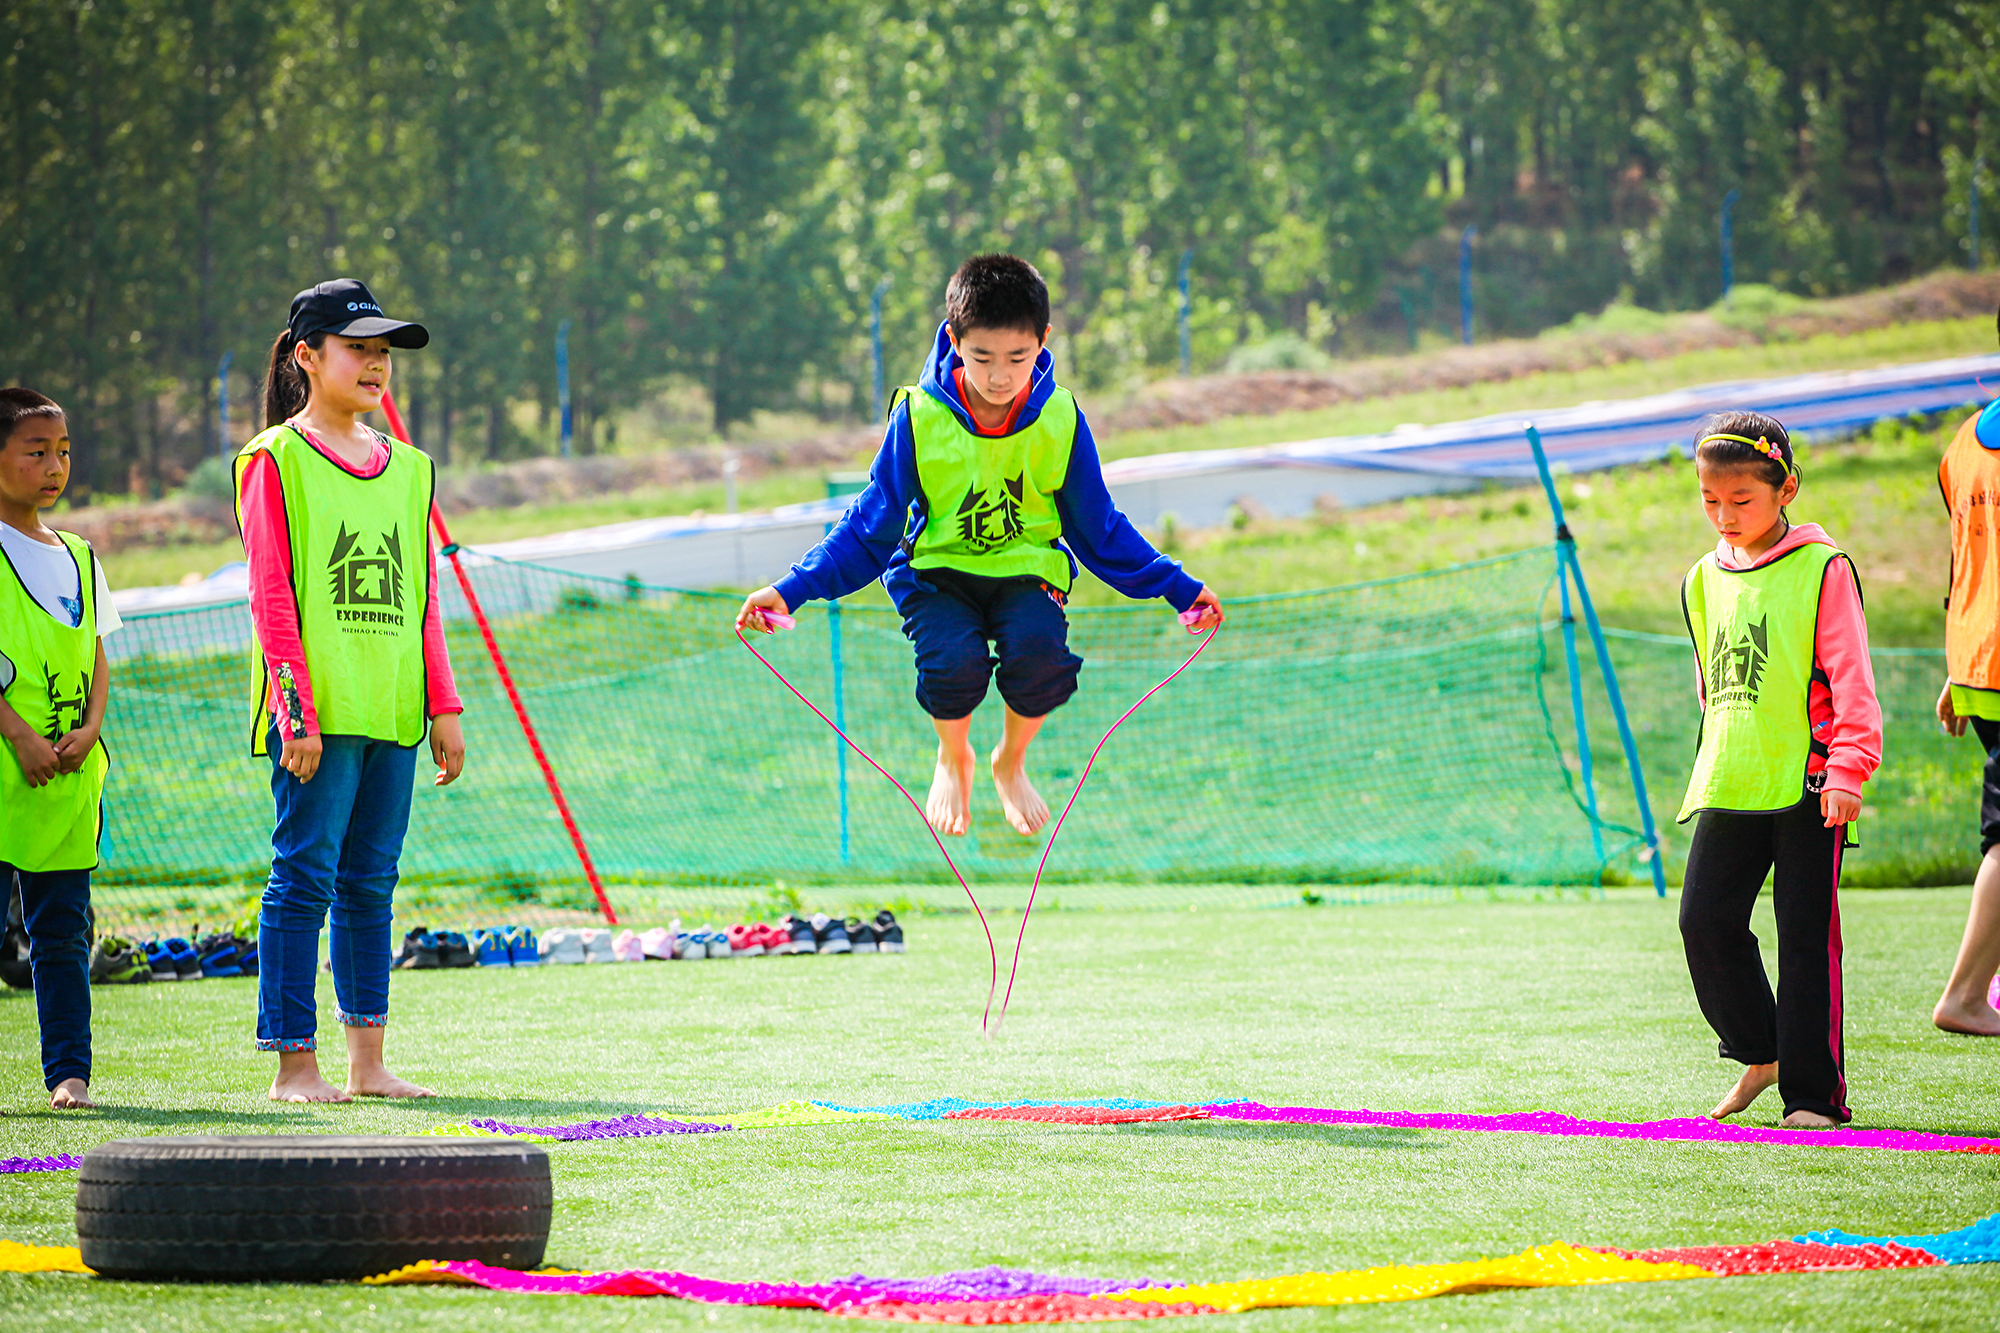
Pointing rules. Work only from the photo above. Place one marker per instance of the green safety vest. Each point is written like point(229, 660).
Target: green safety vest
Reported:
point(990, 500)
point(55, 826)
point(1753, 633)
point(360, 572)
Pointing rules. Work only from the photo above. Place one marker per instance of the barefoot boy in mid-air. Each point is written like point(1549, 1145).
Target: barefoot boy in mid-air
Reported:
point(985, 495)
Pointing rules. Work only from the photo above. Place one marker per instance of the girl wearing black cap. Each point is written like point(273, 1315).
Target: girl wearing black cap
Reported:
point(351, 665)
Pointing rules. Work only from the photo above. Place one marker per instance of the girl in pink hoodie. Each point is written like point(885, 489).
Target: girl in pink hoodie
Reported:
point(1790, 731)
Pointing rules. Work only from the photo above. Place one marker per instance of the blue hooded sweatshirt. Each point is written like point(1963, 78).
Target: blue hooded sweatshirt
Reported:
point(868, 541)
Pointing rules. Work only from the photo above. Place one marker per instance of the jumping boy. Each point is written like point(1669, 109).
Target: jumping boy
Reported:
point(54, 606)
point(984, 496)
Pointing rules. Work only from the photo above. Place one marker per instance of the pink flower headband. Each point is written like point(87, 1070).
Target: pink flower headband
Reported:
point(1760, 444)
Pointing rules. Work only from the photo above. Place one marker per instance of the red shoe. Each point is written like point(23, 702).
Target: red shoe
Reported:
point(744, 941)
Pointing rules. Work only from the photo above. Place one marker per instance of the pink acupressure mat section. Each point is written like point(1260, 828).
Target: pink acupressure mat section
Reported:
point(1687, 1130)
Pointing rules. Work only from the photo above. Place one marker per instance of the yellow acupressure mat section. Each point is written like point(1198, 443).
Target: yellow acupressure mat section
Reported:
point(475, 1132)
point(430, 1272)
point(1553, 1265)
point(18, 1258)
point(792, 1113)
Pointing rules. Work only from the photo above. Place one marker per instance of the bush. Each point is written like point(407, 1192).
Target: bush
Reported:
point(213, 481)
point(1286, 351)
point(1618, 317)
point(1751, 306)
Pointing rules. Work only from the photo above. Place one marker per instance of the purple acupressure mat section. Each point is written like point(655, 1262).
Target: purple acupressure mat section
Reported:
point(62, 1161)
point(619, 1127)
point(1688, 1130)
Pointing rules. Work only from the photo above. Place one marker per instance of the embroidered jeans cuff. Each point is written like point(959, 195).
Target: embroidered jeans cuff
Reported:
point(361, 1020)
point(288, 1045)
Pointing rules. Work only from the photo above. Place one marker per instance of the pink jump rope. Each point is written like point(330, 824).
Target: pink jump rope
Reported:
point(775, 621)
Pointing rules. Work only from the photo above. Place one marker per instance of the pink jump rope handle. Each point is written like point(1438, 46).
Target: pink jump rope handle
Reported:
point(1192, 616)
point(774, 620)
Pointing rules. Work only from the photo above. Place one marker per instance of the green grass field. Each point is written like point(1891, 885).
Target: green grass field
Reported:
point(1477, 1006)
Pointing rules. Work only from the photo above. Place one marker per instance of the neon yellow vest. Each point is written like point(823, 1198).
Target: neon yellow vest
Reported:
point(1753, 634)
point(990, 500)
point(360, 572)
point(54, 826)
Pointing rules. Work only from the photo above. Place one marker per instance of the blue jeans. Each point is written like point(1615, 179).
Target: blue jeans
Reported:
point(336, 846)
point(54, 909)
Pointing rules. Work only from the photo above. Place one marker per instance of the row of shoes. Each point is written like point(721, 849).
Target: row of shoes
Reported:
point(818, 934)
point(497, 946)
point(117, 961)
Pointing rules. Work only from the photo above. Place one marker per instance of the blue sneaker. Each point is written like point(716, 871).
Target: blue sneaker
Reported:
point(523, 950)
point(831, 932)
point(801, 932)
point(187, 963)
point(489, 948)
point(161, 959)
point(217, 956)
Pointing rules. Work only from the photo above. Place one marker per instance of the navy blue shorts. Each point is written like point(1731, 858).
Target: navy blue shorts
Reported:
point(1023, 620)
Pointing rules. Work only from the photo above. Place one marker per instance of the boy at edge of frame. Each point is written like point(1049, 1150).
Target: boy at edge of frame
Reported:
point(985, 496)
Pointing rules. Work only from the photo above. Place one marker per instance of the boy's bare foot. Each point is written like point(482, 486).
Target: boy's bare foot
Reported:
point(1974, 1019)
point(1019, 801)
point(1810, 1120)
point(72, 1094)
point(305, 1086)
point(1755, 1079)
point(951, 792)
point(380, 1082)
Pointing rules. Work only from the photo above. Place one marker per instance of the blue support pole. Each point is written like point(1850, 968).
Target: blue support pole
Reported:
point(1465, 283)
point(222, 402)
point(839, 718)
point(875, 350)
point(1729, 240)
point(1576, 711)
point(1187, 331)
point(1972, 216)
point(1566, 556)
point(562, 382)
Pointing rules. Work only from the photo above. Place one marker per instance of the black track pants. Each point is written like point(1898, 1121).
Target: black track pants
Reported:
point(1801, 1029)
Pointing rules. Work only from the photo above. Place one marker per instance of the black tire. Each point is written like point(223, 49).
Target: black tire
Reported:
point(308, 1208)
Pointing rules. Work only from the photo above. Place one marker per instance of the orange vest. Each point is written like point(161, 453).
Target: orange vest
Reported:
point(1969, 476)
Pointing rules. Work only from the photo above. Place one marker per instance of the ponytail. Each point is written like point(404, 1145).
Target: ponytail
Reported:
point(286, 388)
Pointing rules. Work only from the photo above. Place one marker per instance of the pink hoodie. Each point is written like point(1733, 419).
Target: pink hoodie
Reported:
point(1844, 714)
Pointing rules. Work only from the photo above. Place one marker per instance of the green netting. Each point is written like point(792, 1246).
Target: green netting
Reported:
point(1412, 734)
point(1390, 732)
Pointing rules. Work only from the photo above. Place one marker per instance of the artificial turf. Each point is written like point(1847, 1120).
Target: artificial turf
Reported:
point(1477, 1006)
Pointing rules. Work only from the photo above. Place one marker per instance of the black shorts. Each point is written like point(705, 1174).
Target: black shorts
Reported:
point(952, 622)
point(1989, 796)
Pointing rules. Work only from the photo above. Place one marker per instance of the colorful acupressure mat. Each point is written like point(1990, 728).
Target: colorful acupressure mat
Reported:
point(1126, 1110)
point(1012, 1296)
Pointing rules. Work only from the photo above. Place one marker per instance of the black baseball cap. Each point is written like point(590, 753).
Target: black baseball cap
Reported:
point(346, 307)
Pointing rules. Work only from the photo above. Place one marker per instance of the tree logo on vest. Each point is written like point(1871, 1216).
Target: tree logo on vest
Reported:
point(367, 584)
point(66, 709)
point(988, 520)
point(1736, 662)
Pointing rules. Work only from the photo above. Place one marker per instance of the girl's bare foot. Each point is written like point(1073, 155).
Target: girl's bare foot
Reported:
point(379, 1082)
point(1019, 801)
point(72, 1094)
point(367, 1076)
point(1810, 1120)
point(1755, 1079)
point(1968, 1017)
point(951, 792)
point(298, 1080)
point(306, 1088)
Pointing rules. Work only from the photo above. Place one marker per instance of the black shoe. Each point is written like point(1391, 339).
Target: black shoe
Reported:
point(888, 935)
point(246, 956)
point(860, 935)
point(420, 951)
point(453, 950)
point(801, 932)
point(15, 969)
point(830, 934)
point(216, 956)
point(118, 962)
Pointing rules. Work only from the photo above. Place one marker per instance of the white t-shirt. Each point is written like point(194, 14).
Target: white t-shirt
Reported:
point(50, 576)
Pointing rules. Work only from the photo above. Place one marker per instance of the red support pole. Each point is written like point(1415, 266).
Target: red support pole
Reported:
point(449, 549)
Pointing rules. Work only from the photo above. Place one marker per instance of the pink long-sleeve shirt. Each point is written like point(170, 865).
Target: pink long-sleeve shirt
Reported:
point(274, 607)
point(1843, 711)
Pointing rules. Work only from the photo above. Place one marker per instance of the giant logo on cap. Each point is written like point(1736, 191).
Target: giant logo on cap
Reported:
point(367, 577)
